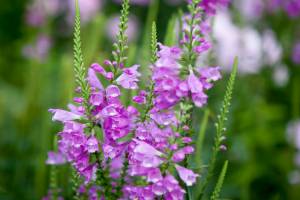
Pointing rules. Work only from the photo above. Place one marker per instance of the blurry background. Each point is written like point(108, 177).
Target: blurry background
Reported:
point(264, 128)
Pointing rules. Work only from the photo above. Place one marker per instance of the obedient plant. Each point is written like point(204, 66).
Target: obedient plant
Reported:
point(141, 151)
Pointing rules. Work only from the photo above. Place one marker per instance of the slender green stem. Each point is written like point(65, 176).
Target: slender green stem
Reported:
point(120, 47)
point(80, 71)
point(216, 192)
point(220, 129)
point(75, 185)
point(53, 182)
point(122, 181)
point(153, 50)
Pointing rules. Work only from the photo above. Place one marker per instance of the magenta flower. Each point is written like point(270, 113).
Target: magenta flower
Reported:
point(141, 98)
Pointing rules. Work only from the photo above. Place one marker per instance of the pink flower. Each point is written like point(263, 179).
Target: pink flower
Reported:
point(92, 144)
point(63, 116)
point(194, 84)
point(129, 78)
point(146, 149)
point(180, 154)
point(112, 91)
point(141, 98)
point(210, 73)
point(188, 176)
point(93, 79)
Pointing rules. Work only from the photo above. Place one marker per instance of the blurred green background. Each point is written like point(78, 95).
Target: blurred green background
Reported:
point(36, 74)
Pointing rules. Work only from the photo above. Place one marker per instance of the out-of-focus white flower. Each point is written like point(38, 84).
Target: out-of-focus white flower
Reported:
point(281, 75)
point(250, 50)
point(88, 9)
point(53, 7)
point(271, 48)
point(294, 177)
point(132, 30)
point(38, 50)
point(233, 41)
point(250, 9)
point(293, 133)
point(253, 49)
point(297, 159)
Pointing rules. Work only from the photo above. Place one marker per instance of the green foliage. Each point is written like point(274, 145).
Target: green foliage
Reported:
point(170, 37)
point(220, 128)
point(80, 71)
point(217, 190)
point(200, 138)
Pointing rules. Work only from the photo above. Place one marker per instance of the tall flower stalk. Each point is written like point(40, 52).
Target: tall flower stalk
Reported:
point(139, 152)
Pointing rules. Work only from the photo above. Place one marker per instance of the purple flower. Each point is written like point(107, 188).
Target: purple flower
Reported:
point(92, 144)
point(99, 69)
point(93, 79)
point(129, 78)
point(188, 176)
point(152, 143)
point(112, 91)
point(180, 154)
point(292, 7)
point(202, 47)
point(141, 98)
point(63, 116)
point(194, 83)
point(210, 73)
point(210, 6)
point(146, 149)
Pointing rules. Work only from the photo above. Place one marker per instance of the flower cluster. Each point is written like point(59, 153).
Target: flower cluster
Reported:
point(135, 152)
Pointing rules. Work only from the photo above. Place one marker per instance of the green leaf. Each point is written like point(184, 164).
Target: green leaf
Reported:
point(170, 37)
point(200, 139)
point(219, 185)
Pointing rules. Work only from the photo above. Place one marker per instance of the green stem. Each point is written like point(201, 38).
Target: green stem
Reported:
point(122, 181)
point(220, 128)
